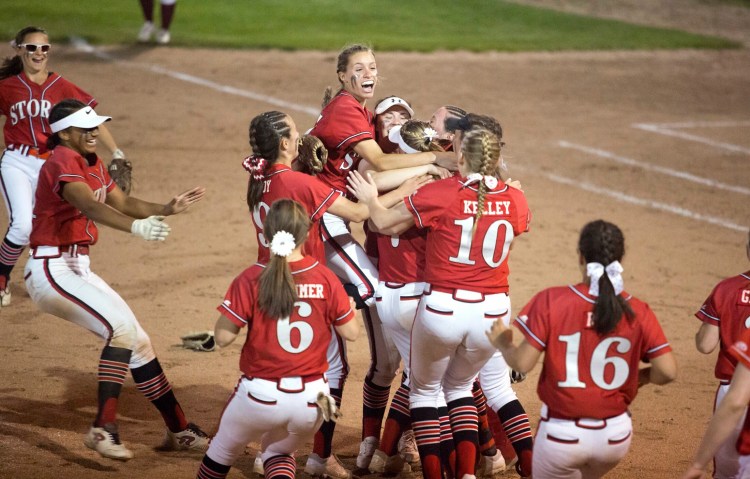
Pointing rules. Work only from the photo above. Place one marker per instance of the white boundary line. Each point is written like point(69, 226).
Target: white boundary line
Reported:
point(633, 200)
point(667, 129)
point(656, 168)
point(81, 45)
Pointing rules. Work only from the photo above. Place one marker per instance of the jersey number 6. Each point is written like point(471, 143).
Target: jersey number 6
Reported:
point(284, 329)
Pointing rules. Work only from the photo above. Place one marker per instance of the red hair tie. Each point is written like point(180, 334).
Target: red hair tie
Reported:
point(255, 165)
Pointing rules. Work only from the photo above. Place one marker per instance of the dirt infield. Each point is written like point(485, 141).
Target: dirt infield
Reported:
point(591, 135)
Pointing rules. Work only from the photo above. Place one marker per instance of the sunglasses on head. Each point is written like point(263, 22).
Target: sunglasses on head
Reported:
point(32, 47)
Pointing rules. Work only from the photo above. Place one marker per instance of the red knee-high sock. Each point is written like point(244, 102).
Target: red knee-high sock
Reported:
point(9, 254)
point(426, 426)
point(148, 10)
point(211, 469)
point(398, 420)
point(465, 427)
point(517, 427)
point(374, 402)
point(152, 383)
point(282, 466)
point(323, 441)
point(113, 367)
point(486, 440)
point(501, 439)
point(447, 445)
point(167, 12)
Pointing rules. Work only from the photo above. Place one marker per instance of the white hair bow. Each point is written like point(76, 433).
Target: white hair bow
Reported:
point(596, 270)
point(282, 243)
point(489, 181)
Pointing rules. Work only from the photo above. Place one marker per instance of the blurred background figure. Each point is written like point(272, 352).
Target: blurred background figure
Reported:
point(148, 29)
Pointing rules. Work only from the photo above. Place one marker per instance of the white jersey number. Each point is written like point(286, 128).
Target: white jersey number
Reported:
point(599, 362)
point(489, 243)
point(258, 219)
point(284, 330)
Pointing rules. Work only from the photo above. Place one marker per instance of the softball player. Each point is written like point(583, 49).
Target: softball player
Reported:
point(347, 129)
point(289, 306)
point(593, 336)
point(724, 317)
point(28, 90)
point(467, 217)
point(724, 421)
point(148, 29)
point(75, 191)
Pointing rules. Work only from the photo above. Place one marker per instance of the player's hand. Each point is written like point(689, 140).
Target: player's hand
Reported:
point(447, 160)
point(500, 335)
point(440, 172)
point(184, 200)
point(413, 184)
point(693, 472)
point(514, 183)
point(364, 190)
point(152, 228)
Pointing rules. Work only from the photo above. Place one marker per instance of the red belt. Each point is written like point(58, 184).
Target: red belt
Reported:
point(57, 251)
point(583, 422)
point(30, 151)
point(463, 295)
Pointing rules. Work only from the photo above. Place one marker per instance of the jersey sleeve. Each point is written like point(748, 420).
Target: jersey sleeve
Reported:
point(345, 125)
point(709, 312)
point(320, 197)
point(521, 213)
point(428, 203)
point(654, 341)
point(534, 319)
point(238, 302)
point(74, 91)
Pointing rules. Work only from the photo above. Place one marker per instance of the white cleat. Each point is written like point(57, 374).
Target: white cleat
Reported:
point(163, 37)
point(191, 438)
point(5, 297)
point(490, 465)
point(366, 450)
point(106, 441)
point(147, 30)
point(258, 466)
point(407, 447)
point(329, 467)
point(393, 465)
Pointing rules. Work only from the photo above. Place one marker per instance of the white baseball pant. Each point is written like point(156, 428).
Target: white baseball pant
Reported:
point(282, 415)
point(18, 179)
point(580, 449)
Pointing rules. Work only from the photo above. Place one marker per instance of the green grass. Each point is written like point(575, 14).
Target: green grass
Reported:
point(414, 25)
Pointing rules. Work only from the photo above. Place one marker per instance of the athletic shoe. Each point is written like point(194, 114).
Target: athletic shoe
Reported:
point(106, 441)
point(190, 438)
point(146, 31)
point(258, 466)
point(382, 464)
point(163, 37)
point(490, 465)
point(329, 467)
point(366, 450)
point(5, 297)
point(407, 447)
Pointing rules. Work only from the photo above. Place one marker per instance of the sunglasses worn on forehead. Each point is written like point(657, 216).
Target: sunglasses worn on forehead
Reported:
point(32, 47)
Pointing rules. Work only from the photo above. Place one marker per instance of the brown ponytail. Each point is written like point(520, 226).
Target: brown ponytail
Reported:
point(265, 134)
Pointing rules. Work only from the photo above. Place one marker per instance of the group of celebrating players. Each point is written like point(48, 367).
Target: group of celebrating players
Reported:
point(431, 284)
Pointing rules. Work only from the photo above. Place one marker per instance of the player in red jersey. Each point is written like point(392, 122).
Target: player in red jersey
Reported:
point(28, 90)
point(347, 129)
point(593, 336)
point(289, 306)
point(724, 421)
point(724, 316)
point(468, 216)
point(75, 191)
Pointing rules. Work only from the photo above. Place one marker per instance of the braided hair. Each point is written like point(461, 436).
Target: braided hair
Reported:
point(603, 242)
point(481, 151)
point(276, 289)
point(413, 132)
point(342, 62)
point(266, 132)
point(14, 65)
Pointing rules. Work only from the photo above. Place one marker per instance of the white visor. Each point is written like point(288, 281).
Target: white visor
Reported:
point(83, 118)
point(395, 136)
point(390, 102)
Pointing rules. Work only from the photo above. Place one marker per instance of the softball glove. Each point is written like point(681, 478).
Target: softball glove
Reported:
point(312, 155)
point(121, 171)
point(199, 341)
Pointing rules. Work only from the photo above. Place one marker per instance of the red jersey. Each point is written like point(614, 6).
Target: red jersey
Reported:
point(56, 222)
point(315, 197)
point(27, 105)
point(728, 308)
point(740, 352)
point(585, 374)
point(455, 258)
point(343, 123)
point(294, 346)
point(402, 257)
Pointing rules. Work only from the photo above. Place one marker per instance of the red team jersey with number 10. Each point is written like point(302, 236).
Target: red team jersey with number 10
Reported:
point(280, 348)
point(586, 375)
point(343, 123)
point(56, 222)
point(27, 105)
point(728, 308)
point(455, 258)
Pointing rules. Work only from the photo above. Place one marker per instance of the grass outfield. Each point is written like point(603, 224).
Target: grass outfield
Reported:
point(415, 25)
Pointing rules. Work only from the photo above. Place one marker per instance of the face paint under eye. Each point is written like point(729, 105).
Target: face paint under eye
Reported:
point(355, 79)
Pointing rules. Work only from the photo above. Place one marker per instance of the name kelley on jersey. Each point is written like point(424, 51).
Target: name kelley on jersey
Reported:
point(491, 208)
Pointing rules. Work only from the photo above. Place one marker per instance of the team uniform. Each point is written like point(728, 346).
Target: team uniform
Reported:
point(728, 308)
point(283, 366)
point(587, 380)
point(739, 352)
point(466, 291)
point(26, 106)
